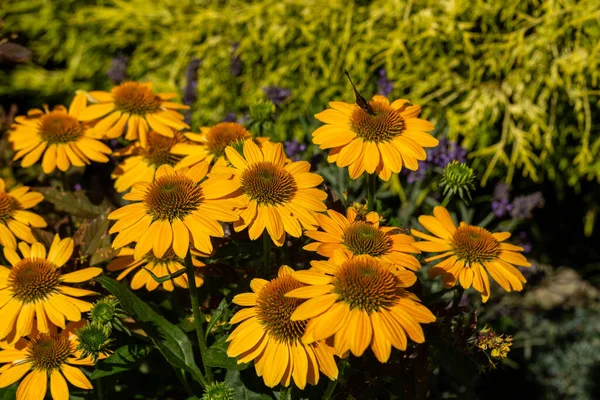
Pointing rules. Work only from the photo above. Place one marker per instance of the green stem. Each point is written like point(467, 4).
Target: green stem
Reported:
point(447, 199)
point(267, 254)
point(189, 266)
point(285, 392)
point(333, 384)
point(371, 188)
point(99, 389)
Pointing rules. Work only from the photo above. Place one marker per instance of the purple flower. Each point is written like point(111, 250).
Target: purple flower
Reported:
point(501, 207)
point(384, 85)
point(235, 62)
point(418, 175)
point(230, 117)
point(190, 93)
point(277, 94)
point(294, 149)
point(118, 69)
point(523, 206)
point(446, 152)
point(77, 187)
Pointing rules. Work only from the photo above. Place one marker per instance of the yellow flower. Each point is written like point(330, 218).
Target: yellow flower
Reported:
point(59, 136)
point(381, 143)
point(136, 106)
point(360, 302)
point(277, 195)
point(177, 204)
point(169, 263)
point(14, 219)
point(142, 162)
point(217, 138)
point(358, 235)
point(35, 287)
point(470, 253)
point(268, 336)
point(43, 357)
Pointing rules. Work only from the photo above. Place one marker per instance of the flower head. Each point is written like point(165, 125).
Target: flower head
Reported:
point(35, 287)
point(268, 336)
point(383, 142)
point(94, 341)
point(361, 303)
point(458, 179)
point(136, 106)
point(277, 195)
point(15, 221)
point(218, 391)
point(470, 253)
point(42, 357)
point(58, 137)
point(358, 235)
point(176, 206)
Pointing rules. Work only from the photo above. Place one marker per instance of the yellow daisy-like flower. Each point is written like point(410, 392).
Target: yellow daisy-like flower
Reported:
point(142, 163)
point(58, 135)
point(358, 235)
point(268, 336)
point(470, 253)
point(361, 302)
point(177, 204)
point(382, 142)
point(43, 357)
point(276, 195)
point(14, 219)
point(169, 263)
point(35, 287)
point(134, 105)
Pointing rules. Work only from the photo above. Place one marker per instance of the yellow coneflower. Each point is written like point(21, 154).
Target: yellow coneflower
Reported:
point(177, 204)
point(169, 263)
point(142, 163)
point(357, 235)
point(268, 336)
point(276, 195)
point(360, 302)
point(382, 142)
point(14, 219)
point(470, 253)
point(135, 105)
point(43, 357)
point(35, 287)
point(58, 135)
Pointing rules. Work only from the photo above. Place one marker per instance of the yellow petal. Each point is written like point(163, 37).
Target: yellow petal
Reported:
point(58, 386)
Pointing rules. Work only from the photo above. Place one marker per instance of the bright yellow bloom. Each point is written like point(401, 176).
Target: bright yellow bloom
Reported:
point(176, 205)
point(59, 136)
point(134, 105)
point(277, 195)
point(470, 253)
point(169, 263)
point(35, 287)
point(268, 336)
point(14, 219)
point(358, 235)
point(360, 302)
point(381, 143)
point(43, 357)
point(142, 162)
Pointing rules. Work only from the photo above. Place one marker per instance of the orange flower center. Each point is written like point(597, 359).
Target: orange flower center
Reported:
point(135, 98)
point(8, 205)
point(364, 238)
point(385, 125)
point(364, 284)
point(159, 147)
point(267, 183)
point(274, 310)
point(172, 197)
point(48, 352)
point(225, 134)
point(57, 127)
point(474, 244)
point(33, 279)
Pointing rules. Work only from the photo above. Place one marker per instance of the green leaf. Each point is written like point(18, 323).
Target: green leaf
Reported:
point(44, 237)
point(102, 255)
point(242, 392)
point(217, 357)
point(123, 359)
point(93, 234)
point(216, 316)
point(10, 392)
point(74, 203)
point(171, 341)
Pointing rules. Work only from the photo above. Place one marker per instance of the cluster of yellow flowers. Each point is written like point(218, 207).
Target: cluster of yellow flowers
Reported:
point(182, 187)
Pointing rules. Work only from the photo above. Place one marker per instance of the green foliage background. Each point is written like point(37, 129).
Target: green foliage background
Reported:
point(516, 81)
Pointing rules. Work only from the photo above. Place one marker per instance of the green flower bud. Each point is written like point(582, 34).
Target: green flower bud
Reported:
point(106, 312)
point(458, 179)
point(94, 340)
point(218, 391)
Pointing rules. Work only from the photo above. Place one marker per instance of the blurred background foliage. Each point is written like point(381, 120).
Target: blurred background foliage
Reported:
point(511, 85)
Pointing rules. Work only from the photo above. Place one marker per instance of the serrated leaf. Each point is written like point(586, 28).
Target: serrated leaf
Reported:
point(42, 236)
point(74, 203)
point(233, 378)
point(216, 356)
point(123, 359)
point(171, 341)
point(102, 255)
point(93, 234)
